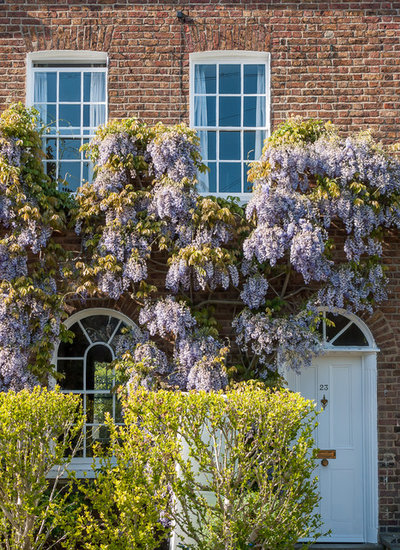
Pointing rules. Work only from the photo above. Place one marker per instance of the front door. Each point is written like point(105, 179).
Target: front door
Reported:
point(335, 384)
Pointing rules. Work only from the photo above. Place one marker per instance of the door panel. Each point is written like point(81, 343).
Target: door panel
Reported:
point(337, 382)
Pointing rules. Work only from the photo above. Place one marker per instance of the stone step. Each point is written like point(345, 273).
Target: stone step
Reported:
point(343, 546)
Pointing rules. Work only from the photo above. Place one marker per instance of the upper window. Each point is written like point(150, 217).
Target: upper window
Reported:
point(230, 111)
point(69, 89)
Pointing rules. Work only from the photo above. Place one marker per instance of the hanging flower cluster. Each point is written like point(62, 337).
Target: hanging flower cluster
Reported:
point(311, 236)
point(30, 307)
point(276, 260)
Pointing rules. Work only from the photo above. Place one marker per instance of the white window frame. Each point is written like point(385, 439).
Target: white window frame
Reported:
point(226, 57)
point(83, 465)
point(79, 60)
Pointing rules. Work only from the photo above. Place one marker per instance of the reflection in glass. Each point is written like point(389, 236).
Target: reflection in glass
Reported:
point(204, 111)
point(229, 111)
point(229, 79)
point(70, 87)
point(205, 79)
point(254, 111)
point(230, 177)
point(100, 328)
point(69, 148)
point(97, 376)
point(94, 87)
point(97, 406)
point(208, 144)
point(229, 145)
point(45, 87)
point(254, 79)
point(78, 345)
point(70, 175)
point(208, 181)
point(50, 148)
point(72, 369)
point(69, 115)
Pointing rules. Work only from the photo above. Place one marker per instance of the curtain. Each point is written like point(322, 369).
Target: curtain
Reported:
point(40, 94)
point(96, 95)
point(201, 120)
point(260, 112)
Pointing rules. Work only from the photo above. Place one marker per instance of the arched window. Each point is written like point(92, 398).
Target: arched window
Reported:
point(341, 330)
point(84, 366)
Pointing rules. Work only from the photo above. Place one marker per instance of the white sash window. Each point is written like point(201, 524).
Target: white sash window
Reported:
point(69, 89)
point(230, 111)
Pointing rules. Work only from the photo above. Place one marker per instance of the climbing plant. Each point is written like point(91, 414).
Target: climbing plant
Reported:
point(311, 236)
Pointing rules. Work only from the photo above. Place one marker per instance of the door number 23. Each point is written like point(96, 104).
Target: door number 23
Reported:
point(323, 387)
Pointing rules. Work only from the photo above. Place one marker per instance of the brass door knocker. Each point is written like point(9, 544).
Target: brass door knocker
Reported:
point(324, 402)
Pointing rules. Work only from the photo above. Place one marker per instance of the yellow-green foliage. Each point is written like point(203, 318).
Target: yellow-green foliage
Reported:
point(251, 447)
point(37, 430)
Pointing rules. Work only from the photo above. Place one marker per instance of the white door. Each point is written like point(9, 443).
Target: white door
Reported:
point(335, 383)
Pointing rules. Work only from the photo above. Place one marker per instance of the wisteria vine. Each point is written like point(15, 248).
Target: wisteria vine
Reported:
point(222, 290)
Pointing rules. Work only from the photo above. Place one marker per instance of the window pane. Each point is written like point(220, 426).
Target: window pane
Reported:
point(69, 148)
point(47, 115)
point(353, 336)
point(204, 111)
point(208, 182)
point(96, 374)
point(87, 174)
point(254, 79)
point(70, 174)
point(254, 111)
point(208, 145)
point(51, 170)
point(229, 111)
point(253, 144)
point(248, 186)
point(94, 115)
point(230, 177)
point(70, 87)
point(229, 145)
point(229, 79)
point(205, 81)
point(50, 148)
point(73, 371)
point(78, 345)
point(70, 115)
point(96, 434)
point(94, 87)
point(339, 323)
point(118, 411)
point(45, 88)
point(96, 407)
point(100, 328)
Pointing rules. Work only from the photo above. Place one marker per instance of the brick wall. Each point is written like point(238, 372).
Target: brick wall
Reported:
point(334, 60)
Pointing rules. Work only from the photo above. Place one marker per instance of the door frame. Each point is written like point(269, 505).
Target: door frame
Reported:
point(368, 356)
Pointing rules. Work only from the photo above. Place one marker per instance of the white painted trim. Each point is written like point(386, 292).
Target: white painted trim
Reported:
point(231, 57)
point(83, 466)
point(370, 437)
point(60, 56)
point(361, 325)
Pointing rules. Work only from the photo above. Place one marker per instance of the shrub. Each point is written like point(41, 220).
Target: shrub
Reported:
point(37, 430)
point(124, 505)
point(245, 464)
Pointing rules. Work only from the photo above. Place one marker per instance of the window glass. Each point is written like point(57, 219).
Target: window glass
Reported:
point(71, 101)
point(231, 99)
point(84, 364)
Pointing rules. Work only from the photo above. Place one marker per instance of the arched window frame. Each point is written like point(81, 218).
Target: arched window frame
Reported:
point(82, 465)
point(327, 346)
